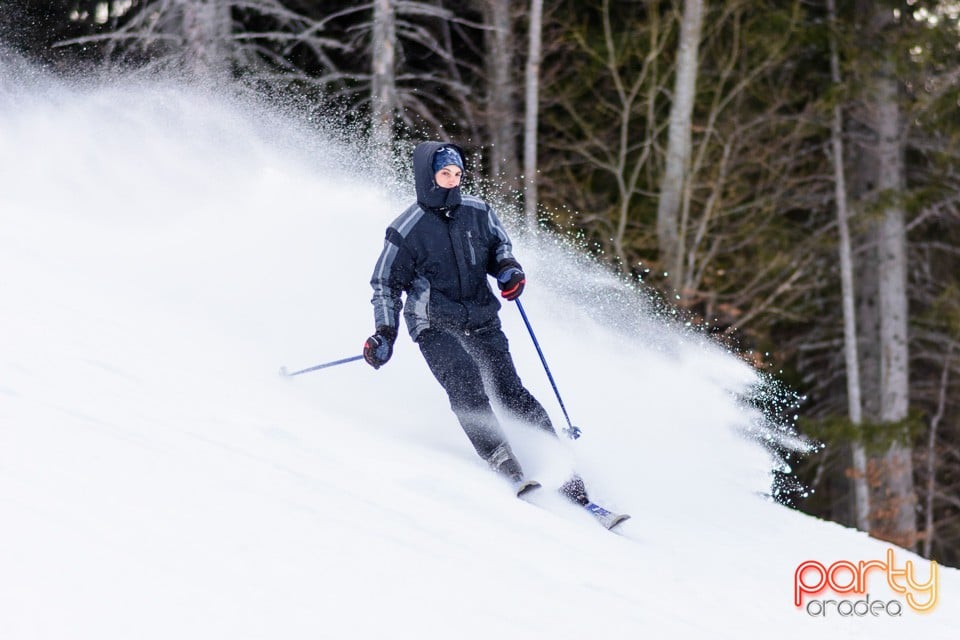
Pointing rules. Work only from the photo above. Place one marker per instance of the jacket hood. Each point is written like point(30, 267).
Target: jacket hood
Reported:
point(429, 194)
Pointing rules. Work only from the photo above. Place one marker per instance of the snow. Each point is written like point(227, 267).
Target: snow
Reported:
point(165, 249)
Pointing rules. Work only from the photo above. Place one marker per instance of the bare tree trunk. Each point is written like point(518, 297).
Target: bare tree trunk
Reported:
point(670, 234)
point(383, 85)
point(882, 177)
point(861, 489)
point(205, 26)
point(868, 316)
point(531, 114)
point(501, 93)
point(894, 361)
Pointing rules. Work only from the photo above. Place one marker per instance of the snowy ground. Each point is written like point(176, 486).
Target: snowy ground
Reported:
point(158, 479)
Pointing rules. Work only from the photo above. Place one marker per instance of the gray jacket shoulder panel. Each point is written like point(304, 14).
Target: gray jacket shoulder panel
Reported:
point(406, 221)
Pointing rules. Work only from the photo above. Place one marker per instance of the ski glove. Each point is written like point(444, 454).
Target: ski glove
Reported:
point(511, 280)
point(379, 347)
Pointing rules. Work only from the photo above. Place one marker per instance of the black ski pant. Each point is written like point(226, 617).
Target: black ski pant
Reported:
point(468, 365)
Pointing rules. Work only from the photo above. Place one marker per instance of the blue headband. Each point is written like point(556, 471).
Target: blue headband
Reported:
point(446, 156)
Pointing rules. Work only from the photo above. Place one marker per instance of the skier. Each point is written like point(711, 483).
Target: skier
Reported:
point(440, 252)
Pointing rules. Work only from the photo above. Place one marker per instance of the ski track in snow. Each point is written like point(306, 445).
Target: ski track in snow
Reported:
point(158, 479)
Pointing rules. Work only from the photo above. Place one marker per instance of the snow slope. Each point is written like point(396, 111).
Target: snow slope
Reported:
point(158, 479)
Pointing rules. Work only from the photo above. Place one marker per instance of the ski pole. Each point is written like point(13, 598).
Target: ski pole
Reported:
point(287, 374)
point(571, 431)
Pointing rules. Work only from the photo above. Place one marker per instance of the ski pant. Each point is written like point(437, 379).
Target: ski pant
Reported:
point(467, 365)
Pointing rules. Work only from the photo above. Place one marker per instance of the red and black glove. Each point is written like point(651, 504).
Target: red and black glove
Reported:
point(511, 280)
point(379, 347)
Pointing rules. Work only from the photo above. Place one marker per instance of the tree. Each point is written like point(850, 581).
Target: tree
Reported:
point(861, 493)
point(931, 88)
point(605, 128)
point(206, 27)
point(883, 184)
point(673, 185)
point(501, 111)
point(532, 114)
point(383, 85)
point(918, 50)
point(601, 124)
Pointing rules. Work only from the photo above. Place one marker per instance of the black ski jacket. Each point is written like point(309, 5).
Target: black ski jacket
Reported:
point(440, 252)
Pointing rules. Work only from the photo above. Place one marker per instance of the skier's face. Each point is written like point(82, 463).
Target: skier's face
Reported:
point(448, 177)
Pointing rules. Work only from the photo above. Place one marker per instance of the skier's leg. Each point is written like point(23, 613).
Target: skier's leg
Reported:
point(458, 373)
point(492, 350)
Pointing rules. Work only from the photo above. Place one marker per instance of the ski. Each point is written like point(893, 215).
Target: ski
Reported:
point(607, 518)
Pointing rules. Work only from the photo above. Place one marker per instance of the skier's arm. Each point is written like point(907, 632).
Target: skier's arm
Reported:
point(501, 249)
point(391, 276)
point(500, 263)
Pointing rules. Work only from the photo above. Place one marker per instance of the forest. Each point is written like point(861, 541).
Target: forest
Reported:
point(782, 174)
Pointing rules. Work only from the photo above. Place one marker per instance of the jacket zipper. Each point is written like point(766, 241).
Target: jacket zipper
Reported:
point(473, 255)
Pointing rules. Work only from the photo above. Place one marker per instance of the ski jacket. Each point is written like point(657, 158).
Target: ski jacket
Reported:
point(440, 252)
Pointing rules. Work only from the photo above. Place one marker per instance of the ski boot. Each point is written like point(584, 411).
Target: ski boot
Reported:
point(505, 463)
